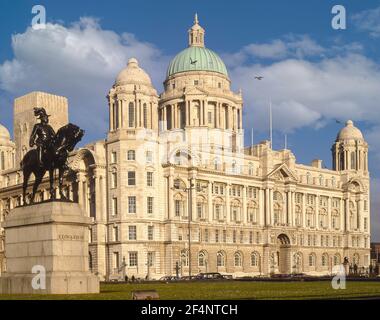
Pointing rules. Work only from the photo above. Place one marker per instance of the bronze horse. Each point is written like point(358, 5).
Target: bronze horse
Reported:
point(54, 158)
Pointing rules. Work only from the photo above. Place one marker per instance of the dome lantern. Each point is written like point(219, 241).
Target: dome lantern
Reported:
point(196, 34)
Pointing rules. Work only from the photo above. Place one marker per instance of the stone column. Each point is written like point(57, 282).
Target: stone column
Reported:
point(111, 115)
point(244, 211)
point(329, 213)
point(347, 226)
point(267, 207)
point(261, 217)
point(81, 178)
point(209, 195)
point(170, 202)
point(316, 216)
point(228, 211)
point(303, 210)
point(190, 113)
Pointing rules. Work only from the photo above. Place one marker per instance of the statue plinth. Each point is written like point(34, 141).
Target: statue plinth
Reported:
point(53, 237)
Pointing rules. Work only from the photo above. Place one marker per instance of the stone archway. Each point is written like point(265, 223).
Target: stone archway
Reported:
point(284, 254)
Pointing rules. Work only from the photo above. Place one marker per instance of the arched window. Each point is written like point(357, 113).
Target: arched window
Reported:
point(202, 259)
point(238, 259)
point(312, 260)
point(336, 259)
point(252, 212)
point(131, 115)
point(220, 259)
point(235, 211)
point(310, 217)
point(255, 259)
point(355, 259)
point(322, 218)
point(184, 258)
point(335, 219)
point(325, 260)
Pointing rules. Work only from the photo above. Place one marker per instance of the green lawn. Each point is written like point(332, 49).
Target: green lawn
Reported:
point(227, 290)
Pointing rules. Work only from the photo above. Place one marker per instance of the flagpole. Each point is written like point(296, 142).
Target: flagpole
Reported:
point(270, 123)
point(251, 137)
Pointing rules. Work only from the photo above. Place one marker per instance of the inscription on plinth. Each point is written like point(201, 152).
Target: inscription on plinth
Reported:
point(53, 236)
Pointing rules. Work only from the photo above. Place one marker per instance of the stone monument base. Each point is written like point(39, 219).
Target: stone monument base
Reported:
point(46, 248)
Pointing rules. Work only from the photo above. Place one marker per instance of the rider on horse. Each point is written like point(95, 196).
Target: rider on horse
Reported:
point(42, 135)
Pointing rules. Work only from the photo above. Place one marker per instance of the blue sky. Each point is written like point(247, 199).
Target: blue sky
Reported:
point(313, 73)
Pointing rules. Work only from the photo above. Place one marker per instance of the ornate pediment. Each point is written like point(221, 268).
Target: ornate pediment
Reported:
point(194, 91)
point(283, 173)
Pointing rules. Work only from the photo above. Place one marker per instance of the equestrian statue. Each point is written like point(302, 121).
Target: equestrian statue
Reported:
point(51, 153)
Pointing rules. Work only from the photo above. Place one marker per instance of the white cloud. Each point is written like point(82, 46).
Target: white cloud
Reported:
point(81, 62)
point(291, 46)
point(305, 93)
point(368, 21)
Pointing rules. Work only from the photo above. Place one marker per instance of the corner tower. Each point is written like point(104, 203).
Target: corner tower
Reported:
point(350, 150)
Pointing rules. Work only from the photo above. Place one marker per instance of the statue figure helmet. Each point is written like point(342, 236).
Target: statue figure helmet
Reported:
point(41, 114)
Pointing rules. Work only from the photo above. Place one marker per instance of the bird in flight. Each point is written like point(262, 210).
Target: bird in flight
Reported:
point(193, 61)
point(259, 77)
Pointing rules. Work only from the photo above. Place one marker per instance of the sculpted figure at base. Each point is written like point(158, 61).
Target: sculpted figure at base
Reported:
point(51, 153)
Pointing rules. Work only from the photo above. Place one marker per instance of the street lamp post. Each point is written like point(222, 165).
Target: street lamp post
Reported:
point(190, 211)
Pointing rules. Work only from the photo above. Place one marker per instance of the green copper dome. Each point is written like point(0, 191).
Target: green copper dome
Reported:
point(197, 58)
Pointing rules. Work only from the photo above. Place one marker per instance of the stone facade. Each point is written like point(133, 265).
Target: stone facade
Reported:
point(179, 156)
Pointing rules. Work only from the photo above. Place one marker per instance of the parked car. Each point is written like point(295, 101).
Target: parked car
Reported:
point(189, 278)
point(210, 276)
point(168, 278)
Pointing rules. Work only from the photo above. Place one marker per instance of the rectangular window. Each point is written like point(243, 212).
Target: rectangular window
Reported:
point(149, 205)
point(209, 117)
point(149, 156)
point(115, 233)
point(150, 259)
point(241, 236)
point(196, 82)
point(114, 180)
point(199, 210)
point(150, 233)
point(177, 207)
point(216, 235)
point(132, 233)
point(116, 261)
point(149, 179)
point(114, 206)
point(206, 235)
point(131, 178)
point(365, 224)
point(131, 155)
point(113, 157)
point(250, 237)
point(234, 236)
point(133, 259)
point(132, 204)
point(224, 235)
